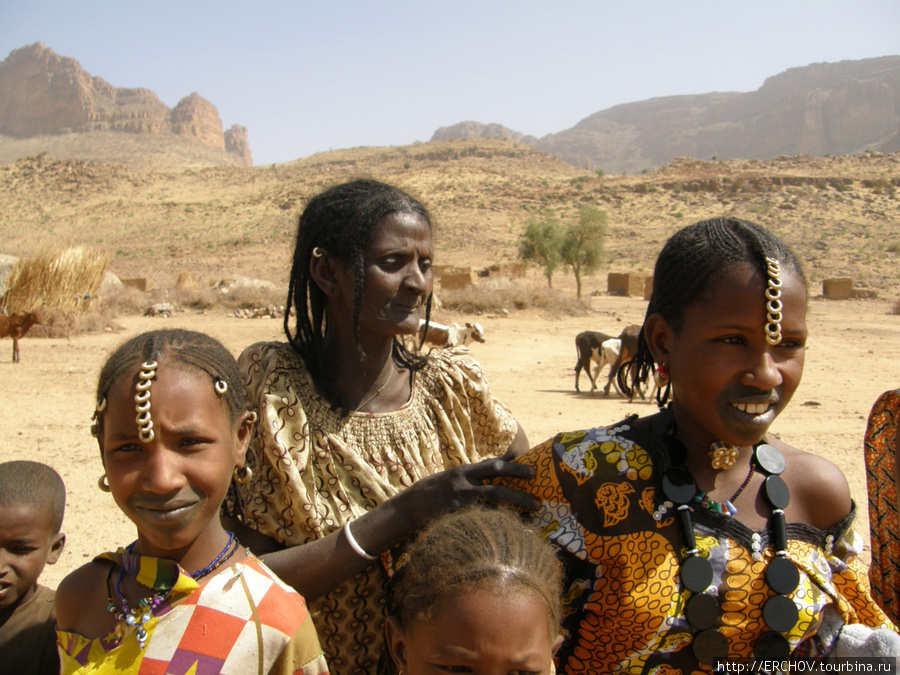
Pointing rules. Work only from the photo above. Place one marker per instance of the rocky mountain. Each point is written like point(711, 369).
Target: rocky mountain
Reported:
point(43, 93)
point(820, 109)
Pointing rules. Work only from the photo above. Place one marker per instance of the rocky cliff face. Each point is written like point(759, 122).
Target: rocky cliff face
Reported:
point(236, 143)
point(44, 93)
point(197, 117)
point(825, 108)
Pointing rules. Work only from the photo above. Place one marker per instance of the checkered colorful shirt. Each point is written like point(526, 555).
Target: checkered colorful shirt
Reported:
point(243, 620)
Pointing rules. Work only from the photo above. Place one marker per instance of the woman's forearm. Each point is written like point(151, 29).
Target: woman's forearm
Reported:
point(318, 567)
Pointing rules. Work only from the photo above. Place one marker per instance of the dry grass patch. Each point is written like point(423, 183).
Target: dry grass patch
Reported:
point(482, 299)
point(55, 280)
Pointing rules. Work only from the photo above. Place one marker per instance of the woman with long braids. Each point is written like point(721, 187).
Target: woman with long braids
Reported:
point(361, 442)
point(695, 535)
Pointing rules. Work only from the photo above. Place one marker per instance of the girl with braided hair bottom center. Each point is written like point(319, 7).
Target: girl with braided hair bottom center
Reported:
point(694, 535)
point(478, 593)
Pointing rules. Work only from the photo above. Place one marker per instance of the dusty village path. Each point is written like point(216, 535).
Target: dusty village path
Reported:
point(46, 401)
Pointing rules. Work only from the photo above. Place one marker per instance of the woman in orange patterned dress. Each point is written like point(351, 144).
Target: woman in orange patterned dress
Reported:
point(694, 535)
point(882, 444)
point(355, 430)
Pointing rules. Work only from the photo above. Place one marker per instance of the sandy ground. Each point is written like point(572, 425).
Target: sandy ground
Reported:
point(46, 401)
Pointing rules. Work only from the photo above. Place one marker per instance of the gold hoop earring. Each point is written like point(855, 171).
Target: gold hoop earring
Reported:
point(243, 475)
point(253, 418)
point(102, 484)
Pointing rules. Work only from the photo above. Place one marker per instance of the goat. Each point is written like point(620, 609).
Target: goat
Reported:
point(588, 347)
point(454, 335)
point(16, 326)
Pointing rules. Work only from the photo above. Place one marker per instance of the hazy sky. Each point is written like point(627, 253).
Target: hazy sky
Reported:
point(306, 77)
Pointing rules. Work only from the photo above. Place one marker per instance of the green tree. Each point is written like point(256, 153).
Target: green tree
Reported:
point(541, 243)
point(582, 244)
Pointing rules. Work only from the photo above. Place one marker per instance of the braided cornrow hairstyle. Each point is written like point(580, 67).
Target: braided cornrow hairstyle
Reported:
point(475, 547)
point(340, 221)
point(174, 347)
point(690, 262)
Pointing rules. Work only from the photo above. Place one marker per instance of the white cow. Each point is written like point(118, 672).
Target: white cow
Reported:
point(453, 335)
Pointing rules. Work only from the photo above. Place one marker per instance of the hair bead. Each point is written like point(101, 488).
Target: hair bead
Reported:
point(773, 316)
point(142, 400)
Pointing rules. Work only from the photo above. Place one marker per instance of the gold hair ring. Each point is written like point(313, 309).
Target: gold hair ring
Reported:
point(142, 400)
point(774, 306)
point(317, 252)
point(101, 404)
point(221, 386)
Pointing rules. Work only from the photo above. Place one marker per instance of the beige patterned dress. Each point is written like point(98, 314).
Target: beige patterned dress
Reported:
point(316, 468)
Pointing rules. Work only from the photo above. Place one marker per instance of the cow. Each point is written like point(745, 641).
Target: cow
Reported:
point(624, 366)
point(16, 326)
point(588, 348)
point(453, 335)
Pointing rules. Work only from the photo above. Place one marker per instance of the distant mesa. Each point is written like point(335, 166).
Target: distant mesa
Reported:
point(479, 130)
point(821, 109)
point(44, 93)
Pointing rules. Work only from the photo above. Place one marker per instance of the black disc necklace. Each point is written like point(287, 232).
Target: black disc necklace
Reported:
point(702, 610)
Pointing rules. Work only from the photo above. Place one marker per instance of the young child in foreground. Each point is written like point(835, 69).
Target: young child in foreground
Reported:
point(185, 596)
point(32, 504)
point(478, 593)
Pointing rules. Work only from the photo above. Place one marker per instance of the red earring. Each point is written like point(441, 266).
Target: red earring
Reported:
point(661, 376)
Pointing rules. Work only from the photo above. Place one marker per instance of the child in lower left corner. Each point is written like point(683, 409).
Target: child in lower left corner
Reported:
point(185, 596)
point(32, 505)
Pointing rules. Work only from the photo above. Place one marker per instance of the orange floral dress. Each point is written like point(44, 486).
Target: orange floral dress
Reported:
point(625, 606)
point(316, 468)
point(884, 524)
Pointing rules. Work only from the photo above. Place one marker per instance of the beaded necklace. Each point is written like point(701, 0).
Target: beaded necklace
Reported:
point(780, 613)
point(138, 617)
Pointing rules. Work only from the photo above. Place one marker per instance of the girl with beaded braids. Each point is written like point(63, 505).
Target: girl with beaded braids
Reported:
point(479, 592)
point(693, 535)
point(173, 431)
point(360, 442)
